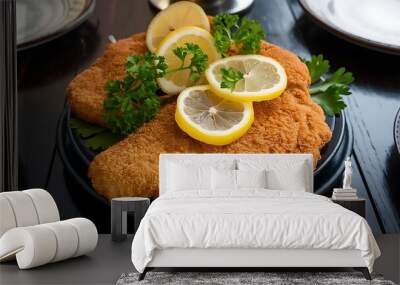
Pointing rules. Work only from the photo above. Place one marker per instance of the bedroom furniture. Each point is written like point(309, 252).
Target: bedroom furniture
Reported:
point(120, 207)
point(101, 266)
point(31, 231)
point(26, 208)
point(283, 162)
point(357, 205)
point(110, 259)
point(47, 243)
point(290, 170)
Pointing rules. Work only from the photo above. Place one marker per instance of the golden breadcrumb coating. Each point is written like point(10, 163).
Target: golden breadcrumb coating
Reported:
point(292, 123)
point(86, 91)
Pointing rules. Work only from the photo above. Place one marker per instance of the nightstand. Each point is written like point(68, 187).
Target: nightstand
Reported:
point(120, 207)
point(357, 206)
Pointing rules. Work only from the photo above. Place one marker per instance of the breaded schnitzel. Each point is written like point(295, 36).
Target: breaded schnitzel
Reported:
point(86, 91)
point(292, 123)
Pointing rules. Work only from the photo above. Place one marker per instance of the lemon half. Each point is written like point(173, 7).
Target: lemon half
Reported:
point(211, 119)
point(177, 15)
point(264, 78)
point(175, 82)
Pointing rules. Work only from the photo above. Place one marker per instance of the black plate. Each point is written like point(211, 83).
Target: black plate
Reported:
point(40, 21)
point(335, 124)
point(76, 157)
point(396, 131)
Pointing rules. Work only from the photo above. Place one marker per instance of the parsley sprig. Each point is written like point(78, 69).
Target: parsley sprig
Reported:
point(230, 77)
point(245, 34)
point(327, 91)
point(198, 62)
point(133, 101)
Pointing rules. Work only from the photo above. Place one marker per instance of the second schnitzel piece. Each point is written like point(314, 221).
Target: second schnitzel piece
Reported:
point(292, 123)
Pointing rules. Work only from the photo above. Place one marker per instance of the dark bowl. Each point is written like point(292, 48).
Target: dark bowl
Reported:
point(76, 157)
point(396, 131)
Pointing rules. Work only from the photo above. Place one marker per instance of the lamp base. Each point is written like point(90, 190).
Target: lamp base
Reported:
point(211, 7)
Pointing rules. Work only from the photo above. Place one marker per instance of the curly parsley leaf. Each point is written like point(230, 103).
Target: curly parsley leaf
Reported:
point(248, 36)
point(229, 30)
point(198, 60)
point(93, 136)
point(327, 91)
point(131, 102)
point(222, 28)
point(230, 77)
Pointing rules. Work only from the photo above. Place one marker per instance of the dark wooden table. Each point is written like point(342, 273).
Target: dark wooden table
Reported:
point(45, 71)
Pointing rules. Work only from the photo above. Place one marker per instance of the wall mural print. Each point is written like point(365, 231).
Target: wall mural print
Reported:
point(8, 98)
point(94, 121)
point(141, 140)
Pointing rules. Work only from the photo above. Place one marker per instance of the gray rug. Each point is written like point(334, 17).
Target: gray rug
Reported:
point(243, 278)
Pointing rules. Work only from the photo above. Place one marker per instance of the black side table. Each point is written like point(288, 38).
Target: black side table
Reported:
point(357, 205)
point(119, 210)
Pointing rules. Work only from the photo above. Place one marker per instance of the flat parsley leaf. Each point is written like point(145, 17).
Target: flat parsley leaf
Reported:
point(229, 30)
point(327, 91)
point(93, 136)
point(131, 102)
point(101, 141)
point(317, 67)
point(230, 77)
point(339, 77)
point(330, 100)
point(84, 129)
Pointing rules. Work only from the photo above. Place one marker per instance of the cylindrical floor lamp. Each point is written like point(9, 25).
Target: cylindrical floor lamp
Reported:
point(8, 97)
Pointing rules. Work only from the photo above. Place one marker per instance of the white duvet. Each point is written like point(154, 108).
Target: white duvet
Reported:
point(250, 219)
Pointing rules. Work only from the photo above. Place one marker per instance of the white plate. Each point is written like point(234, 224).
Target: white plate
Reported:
point(370, 23)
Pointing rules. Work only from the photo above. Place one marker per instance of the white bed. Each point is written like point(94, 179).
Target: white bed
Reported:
point(199, 224)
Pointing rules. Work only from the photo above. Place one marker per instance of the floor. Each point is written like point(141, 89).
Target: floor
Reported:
point(110, 260)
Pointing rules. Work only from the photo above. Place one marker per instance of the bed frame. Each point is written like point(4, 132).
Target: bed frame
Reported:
point(246, 258)
point(250, 259)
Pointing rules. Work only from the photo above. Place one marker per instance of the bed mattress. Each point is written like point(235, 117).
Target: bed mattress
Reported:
point(250, 219)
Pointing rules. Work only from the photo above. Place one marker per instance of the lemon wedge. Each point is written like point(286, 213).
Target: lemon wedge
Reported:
point(179, 14)
point(175, 82)
point(263, 78)
point(211, 119)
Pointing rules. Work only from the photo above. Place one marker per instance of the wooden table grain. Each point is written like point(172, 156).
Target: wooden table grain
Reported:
point(45, 71)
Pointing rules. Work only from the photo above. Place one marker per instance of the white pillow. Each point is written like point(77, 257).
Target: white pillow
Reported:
point(293, 180)
point(251, 178)
point(181, 177)
point(292, 175)
point(223, 179)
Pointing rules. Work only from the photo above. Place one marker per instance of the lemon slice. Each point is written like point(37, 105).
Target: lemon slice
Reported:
point(177, 15)
point(211, 119)
point(264, 78)
point(175, 82)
